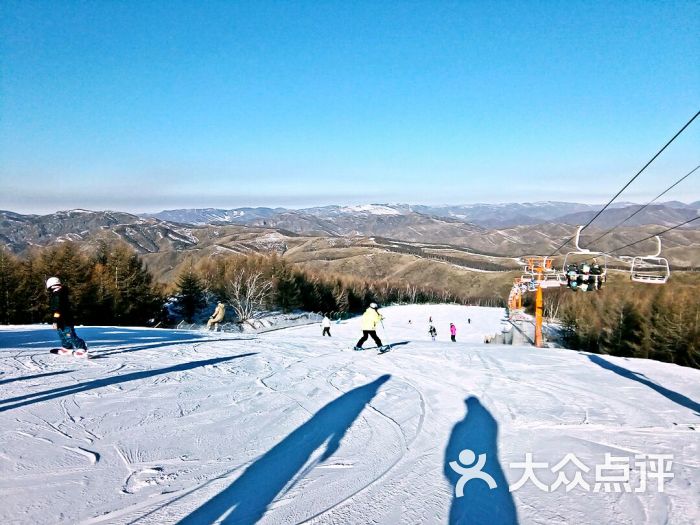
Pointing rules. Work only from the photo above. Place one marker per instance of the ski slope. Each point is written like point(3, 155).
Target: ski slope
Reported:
point(289, 427)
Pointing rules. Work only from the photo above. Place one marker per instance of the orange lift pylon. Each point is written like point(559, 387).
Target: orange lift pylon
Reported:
point(538, 274)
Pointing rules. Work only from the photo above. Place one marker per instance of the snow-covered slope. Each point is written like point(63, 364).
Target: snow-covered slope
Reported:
point(289, 427)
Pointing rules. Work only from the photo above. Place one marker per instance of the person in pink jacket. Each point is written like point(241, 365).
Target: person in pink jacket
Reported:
point(453, 332)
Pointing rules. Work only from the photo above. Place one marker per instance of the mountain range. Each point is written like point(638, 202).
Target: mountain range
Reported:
point(379, 241)
point(328, 218)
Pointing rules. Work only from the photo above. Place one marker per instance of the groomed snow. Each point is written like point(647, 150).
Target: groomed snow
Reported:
point(289, 427)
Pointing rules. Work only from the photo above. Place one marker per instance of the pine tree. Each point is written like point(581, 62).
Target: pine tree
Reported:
point(10, 302)
point(190, 295)
point(74, 269)
point(287, 293)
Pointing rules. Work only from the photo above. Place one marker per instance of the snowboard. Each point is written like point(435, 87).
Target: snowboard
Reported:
point(368, 348)
point(386, 348)
point(66, 352)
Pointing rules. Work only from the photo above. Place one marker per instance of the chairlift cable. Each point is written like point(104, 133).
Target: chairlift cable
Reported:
point(612, 252)
point(628, 183)
point(647, 204)
point(654, 235)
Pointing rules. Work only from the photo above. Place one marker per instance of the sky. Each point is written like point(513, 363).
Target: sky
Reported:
point(145, 106)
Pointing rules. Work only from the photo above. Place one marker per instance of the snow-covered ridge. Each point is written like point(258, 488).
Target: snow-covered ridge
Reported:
point(373, 209)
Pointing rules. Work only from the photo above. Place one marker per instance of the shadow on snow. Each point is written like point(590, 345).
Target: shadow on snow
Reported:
point(28, 399)
point(249, 497)
point(641, 378)
point(150, 346)
point(479, 505)
point(97, 337)
point(35, 376)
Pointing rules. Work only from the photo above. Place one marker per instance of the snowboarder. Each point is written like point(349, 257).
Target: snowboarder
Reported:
point(216, 317)
point(326, 324)
point(453, 332)
point(432, 331)
point(370, 319)
point(62, 317)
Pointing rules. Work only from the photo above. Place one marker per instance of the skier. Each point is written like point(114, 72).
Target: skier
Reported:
point(217, 317)
point(453, 332)
point(326, 324)
point(432, 331)
point(370, 319)
point(469, 320)
point(62, 317)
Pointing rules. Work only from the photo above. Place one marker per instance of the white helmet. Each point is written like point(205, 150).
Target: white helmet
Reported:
point(373, 305)
point(52, 281)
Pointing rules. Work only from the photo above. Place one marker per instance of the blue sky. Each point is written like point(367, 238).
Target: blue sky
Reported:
point(144, 106)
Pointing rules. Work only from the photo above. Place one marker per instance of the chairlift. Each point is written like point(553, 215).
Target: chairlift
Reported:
point(539, 272)
point(581, 270)
point(651, 269)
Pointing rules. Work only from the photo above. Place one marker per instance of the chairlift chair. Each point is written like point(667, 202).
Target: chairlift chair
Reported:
point(539, 272)
point(581, 258)
point(651, 269)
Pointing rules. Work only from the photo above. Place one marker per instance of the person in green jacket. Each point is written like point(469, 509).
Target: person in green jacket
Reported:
point(370, 319)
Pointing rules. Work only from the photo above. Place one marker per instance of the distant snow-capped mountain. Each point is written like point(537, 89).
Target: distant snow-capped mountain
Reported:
point(502, 215)
point(200, 216)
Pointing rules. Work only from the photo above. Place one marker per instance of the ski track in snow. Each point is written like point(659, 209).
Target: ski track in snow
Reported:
point(168, 425)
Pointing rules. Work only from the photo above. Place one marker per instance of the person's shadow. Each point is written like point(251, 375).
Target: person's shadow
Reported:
point(480, 504)
point(641, 378)
point(249, 497)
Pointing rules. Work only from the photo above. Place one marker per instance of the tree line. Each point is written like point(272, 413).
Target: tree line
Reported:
point(111, 285)
point(263, 282)
point(659, 322)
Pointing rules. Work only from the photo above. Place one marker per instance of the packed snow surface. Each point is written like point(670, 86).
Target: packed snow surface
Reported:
point(291, 427)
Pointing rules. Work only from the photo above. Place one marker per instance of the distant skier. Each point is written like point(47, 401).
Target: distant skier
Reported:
point(326, 324)
point(62, 317)
point(432, 331)
point(217, 317)
point(453, 332)
point(469, 320)
point(370, 319)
